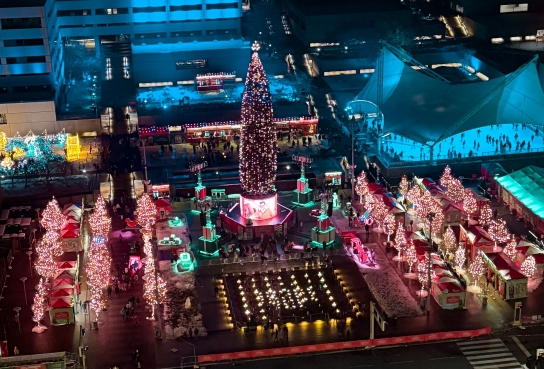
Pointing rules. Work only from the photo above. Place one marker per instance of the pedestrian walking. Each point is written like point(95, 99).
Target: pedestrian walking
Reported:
point(285, 332)
point(124, 313)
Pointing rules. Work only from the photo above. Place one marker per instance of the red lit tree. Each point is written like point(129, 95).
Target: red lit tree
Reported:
point(52, 218)
point(258, 144)
point(361, 186)
point(50, 246)
point(485, 215)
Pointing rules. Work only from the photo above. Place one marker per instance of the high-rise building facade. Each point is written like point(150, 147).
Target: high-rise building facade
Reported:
point(33, 32)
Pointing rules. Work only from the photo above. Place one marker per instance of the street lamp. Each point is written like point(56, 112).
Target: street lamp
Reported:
point(17, 309)
point(23, 279)
point(29, 253)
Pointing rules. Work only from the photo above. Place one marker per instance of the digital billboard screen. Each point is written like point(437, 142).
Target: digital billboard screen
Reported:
point(259, 209)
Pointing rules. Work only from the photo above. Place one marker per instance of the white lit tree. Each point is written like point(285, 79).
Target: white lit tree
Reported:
point(446, 177)
point(361, 186)
point(368, 202)
point(38, 308)
point(449, 240)
point(455, 191)
point(510, 250)
point(498, 231)
point(486, 214)
point(379, 211)
point(528, 267)
point(470, 206)
point(460, 257)
point(400, 240)
point(389, 226)
point(403, 186)
point(476, 268)
point(411, 257)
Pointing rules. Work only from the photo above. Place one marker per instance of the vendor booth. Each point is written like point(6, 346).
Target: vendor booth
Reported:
point(448, 292)
point(535, 252)
point(61, 310)
point(154, 135)
point(71, 231)
point(476, 238)
point(453, 214)
point(523, 192)
point(505, 276)
point(163, 208)
point(230, 130)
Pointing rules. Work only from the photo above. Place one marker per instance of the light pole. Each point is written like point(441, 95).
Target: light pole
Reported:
point(353, 122)
point(29, 253)
point(23, 279)
point(17, 309)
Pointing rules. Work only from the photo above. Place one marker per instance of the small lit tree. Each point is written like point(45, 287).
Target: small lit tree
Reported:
point(361, 186)
point(414, 194)
point(403, 186)
point(379, 211)
point(460, 257)
point(389, 226)
point(455, 191)
point(485, 215)
point(368, 202)
point(400, 237)
point(446, 177)
point(411, 257)
point(38, 308)
point(510, 249)
point(449, 240)
point(470, 206)
point(528, 267)
point(45, 263)
point(476, 268)
point(498, 231)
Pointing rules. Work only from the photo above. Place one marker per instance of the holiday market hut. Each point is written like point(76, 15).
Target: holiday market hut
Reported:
point(452, 212)
point(61, 310)
point(163, 208)
point(523, 192)
point(447, 291)
point(476, 238)
point(71, 232)
point(505, 276)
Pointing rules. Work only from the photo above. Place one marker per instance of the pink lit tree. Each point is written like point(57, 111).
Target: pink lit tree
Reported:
point(486, 214)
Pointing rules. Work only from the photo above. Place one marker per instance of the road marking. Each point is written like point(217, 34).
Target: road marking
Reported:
point(488, 354)
point(521, 346)
point(402, 362)
point(443, 358)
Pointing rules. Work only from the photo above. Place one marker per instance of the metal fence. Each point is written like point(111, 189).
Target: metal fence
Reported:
point(256, 258)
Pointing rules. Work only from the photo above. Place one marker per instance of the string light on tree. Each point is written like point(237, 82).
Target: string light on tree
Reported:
point(411, 257)
point(403, 186)
point(476, 268)
point(38, 308)
point(389, 226)
point(379, 211)
point(485, 215)
point(498, 231)
point(449, 240)
point(52, 219)
point(528, 267)
point(45, 264)
point(146, 212)
point(470, 206)
point(414, 195)
point(99, 220)
point(446, 177)
point(510, 250)
point(455, 191)
point(258, 143)
point(460, 257)
point(369, 202)
point(400, 240)
point(361, 186)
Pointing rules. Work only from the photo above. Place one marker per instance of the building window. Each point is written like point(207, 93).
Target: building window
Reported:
point(459, 8)
point(222, 6)
point(185, 8)
point(186, 33)
point(28, 59)
point(149, 9)
point(111, 11)
point(231, 31)
point(150, 35)
point(514, 8)
point(73, 13)
point(21, 23)
point(27, 42)
point(497, 40)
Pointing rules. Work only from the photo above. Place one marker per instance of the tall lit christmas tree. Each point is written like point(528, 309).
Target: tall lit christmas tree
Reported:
point(361, 186)
point(446, 177)
point(50, 246)
point(455, 191)
point(258, 145)
point(485, 215)
point(379, 211)
point(98, 266)
point(146, 212)
point(476, 268)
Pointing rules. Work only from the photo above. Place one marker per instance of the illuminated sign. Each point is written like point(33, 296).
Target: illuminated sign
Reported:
point(259, 209)
point(191, 64)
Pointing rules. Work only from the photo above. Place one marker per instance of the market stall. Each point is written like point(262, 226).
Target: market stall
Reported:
point(505, 276)
point(154, 135)
point(61, 310)
point(71, 231)
point(476, 238)
point(535, 252)
point(448, 292)
point(452, 212)
point(163, 208)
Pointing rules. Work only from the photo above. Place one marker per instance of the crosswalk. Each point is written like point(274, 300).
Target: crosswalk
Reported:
point(489, 354)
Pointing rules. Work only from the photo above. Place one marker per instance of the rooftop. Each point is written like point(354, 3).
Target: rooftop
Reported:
point(326, 7)
point(21, 3)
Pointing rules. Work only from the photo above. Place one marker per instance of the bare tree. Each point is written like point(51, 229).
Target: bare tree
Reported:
point(301, 85)
point(78, 60)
